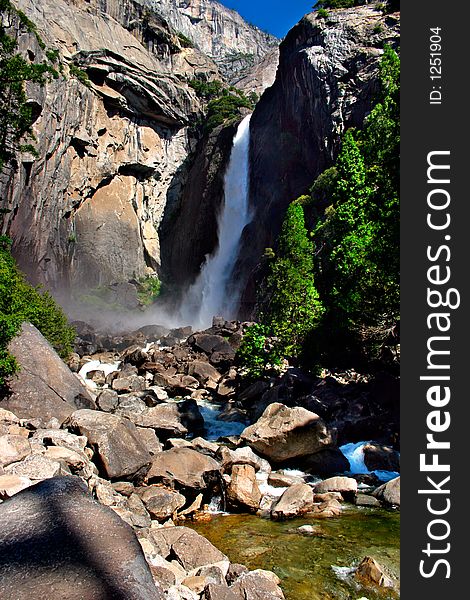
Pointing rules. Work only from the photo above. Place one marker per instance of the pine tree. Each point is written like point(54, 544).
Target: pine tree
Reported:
point(291, 306)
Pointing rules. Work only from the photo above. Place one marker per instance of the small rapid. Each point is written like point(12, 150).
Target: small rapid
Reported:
point(354, 452)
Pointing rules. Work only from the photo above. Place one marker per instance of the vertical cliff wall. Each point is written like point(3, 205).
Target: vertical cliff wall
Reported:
point(325, 83)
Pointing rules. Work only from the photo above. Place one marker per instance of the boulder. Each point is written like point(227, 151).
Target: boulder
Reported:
point(172, 419)
point(13, 448)
point(12, 484)
point(284, 433)
point(204, 372)
point(381, 458)
point(54, 535)
point(389, 493)
point(282, 480)
point(257, 585)
point(188, 548)
point(370, 572)
point(326, 463)
point(161, 503)
point(45, 387)
point(120, 452)
point(36, 467)
point(296, 500)
point(184, 468)
point(243, 491)
point(346, 486)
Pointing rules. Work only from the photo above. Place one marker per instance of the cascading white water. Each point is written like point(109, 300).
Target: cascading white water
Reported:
point(210, 294)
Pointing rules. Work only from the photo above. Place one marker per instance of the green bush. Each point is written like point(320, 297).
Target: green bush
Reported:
point(290, 306)
point(322, 13)
point(257, 351)
point(225, 108)
point(21, 302)
point(79, 74)
point(149, 290)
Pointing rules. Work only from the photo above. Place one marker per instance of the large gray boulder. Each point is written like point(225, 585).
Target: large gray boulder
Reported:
point(45, 387)
point(389, 493)
point(184, 468)
point(57, 542)
point(119, 448)
point(284, 433)
point(295, 501)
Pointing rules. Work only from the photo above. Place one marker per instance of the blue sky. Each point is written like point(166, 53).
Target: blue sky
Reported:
point(275, 16)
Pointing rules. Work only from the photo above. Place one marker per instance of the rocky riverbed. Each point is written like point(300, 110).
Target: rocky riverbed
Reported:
point(161, 429)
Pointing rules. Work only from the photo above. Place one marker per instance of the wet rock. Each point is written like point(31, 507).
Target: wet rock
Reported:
point(161, 503)
point(243, 491)
point(325, 463)
point(347, 486)
point(381, 458)
point(331, 507)
point(366, 500)
point(184, 468)
point(119, 449)
point(257, 585)
point(370, 572)
point(44, 387)
point(284, 433)
point(153, 332)
point(296, 500)
point(68, 537)
point(389, 493)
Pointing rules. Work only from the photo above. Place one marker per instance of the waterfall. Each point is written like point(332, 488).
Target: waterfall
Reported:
point(210, 294)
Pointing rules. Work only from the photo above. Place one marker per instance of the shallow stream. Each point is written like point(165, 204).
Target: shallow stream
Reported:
point(304, 563)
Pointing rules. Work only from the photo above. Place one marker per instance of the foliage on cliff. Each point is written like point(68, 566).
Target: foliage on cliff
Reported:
point(20, 302)
point(15, 70)
point(223, 103)
point(335, 295)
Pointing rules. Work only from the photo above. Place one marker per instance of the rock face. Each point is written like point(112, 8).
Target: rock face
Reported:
point(110, 150)
point(44, 388)
point(53, 535)
point(325, 83)
point(219, 32)
point(284, 433)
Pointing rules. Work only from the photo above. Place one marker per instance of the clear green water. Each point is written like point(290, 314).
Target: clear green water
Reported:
point(303, 563)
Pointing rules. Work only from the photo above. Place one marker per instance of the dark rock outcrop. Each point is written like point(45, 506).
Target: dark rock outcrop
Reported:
point(44, 388)
point(325, 83)
point(56, 541)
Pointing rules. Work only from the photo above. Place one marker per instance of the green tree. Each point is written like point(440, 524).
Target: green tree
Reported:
point(290, 306)
point(21, 302)
point(358, 236)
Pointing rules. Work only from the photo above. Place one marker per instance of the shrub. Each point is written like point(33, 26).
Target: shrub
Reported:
point(257, 351)
point(79, 74)
point(149, 290)
point(322, 13)
point(20, 302)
